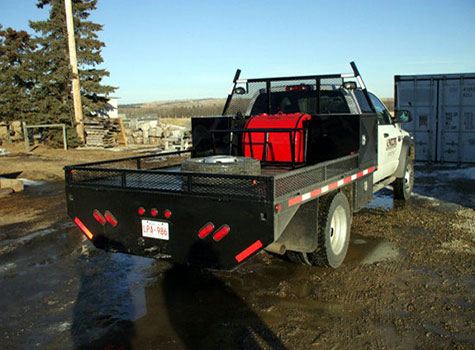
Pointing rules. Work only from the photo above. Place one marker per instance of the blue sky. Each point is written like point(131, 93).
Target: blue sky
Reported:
point(160, 50)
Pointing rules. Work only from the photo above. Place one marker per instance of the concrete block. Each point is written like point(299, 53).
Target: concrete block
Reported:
point(15, 184)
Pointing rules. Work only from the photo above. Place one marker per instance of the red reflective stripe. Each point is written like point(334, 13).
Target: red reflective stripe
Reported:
point(295, 200)
point(248, 251)
point(332, 186)
point(316, 192)
point(83, 228)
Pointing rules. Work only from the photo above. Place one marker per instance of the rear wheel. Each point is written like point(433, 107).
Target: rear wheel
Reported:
point(334, 218)
point(403, 186)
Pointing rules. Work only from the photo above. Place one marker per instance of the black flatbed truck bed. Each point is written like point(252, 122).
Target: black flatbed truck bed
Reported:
point(256, 208)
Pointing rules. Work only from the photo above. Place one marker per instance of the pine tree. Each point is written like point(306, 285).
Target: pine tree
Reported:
point(53, 89)
point(16, 75)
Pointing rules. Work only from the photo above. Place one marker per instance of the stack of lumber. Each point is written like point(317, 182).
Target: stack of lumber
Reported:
point(105, 133)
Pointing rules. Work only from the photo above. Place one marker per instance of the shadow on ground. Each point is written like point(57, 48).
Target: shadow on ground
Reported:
point(180, 308)
point(207, 314)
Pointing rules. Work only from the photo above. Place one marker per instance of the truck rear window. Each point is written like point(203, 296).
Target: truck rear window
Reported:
point(301, 102)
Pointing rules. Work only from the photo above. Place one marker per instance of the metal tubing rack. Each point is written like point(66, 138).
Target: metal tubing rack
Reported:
point(292, 135)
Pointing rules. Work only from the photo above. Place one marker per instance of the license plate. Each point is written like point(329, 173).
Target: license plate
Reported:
point(155, 229)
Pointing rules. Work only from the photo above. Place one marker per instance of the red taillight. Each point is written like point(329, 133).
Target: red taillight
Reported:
point(206, 230)
point(110, 218)
point(223, 231)
point(301, 87)
point(141, 211)
point(278, 208)
point(83, 228)
point(99, 217)
point(167, 214)
point(154, 212)
point(249, 251)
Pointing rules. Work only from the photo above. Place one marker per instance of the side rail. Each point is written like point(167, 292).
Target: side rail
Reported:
point(148, 161)
point(221, 186)
point(304, 184)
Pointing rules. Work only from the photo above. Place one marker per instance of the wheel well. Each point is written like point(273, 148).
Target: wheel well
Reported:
point(408, 151)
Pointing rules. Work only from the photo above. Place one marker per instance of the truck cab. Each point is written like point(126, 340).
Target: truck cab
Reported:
point(334, 101)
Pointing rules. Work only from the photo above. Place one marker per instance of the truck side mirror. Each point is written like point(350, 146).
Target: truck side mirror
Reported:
point(402, 116)
point(239, 91)
point(349, 85)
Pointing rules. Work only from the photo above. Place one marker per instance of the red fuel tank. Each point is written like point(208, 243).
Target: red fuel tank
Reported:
point(281, 144)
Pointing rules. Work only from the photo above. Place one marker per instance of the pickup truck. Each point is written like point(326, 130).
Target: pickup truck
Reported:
point(283, 169)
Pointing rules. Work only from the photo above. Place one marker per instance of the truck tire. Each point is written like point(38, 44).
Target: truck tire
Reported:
point(403, 186)
point(297, 257)
point(334, 222)
point(223, 165)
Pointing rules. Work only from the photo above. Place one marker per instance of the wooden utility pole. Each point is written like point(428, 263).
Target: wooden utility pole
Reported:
point(74, 68)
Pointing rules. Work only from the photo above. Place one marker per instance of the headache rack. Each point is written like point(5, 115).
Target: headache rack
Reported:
point(318, 96)
point(161, 173)
point(258, 93)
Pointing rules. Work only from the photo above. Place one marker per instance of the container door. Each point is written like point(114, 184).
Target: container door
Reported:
point(456, 132)
point(420, 98)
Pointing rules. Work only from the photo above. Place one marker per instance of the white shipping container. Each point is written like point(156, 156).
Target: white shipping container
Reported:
point(443, 111)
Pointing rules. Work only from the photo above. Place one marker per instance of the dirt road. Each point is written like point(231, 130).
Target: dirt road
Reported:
point(408, 283)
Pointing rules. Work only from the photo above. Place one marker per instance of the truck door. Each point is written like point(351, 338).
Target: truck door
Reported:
point(389, 141)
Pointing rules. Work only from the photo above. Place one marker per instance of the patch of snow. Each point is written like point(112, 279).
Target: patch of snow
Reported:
point(60, 327)
point(3, 152)
point(29, 237)
point(6, 267)
point(449, 172)
point(28, 182)
point(431, 199)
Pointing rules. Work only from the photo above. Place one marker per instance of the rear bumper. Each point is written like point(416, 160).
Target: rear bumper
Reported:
point(251, 225)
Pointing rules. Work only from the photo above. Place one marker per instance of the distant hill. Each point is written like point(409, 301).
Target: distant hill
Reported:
point(188, 108)
point(389, 103)
point(174, 108)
